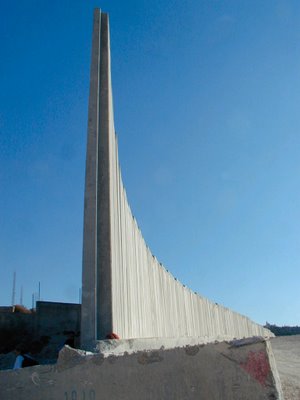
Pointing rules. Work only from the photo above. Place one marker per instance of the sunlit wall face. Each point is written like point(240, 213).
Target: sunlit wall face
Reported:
point(125, 289)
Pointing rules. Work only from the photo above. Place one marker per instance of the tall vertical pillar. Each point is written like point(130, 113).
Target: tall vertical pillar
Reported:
point(96, 310)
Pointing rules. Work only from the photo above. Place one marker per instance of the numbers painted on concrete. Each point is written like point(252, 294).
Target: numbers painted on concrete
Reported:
point(88, 394)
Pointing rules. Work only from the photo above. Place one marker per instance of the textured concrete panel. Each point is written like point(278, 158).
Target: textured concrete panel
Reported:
point(223, 371)
point(89, 270)
point(125, 289)
point(96, 275)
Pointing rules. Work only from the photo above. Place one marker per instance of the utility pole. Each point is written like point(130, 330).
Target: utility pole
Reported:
point(21, 296)
point(13, 297)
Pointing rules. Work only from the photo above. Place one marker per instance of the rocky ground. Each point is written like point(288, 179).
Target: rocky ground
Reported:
point(286, 350)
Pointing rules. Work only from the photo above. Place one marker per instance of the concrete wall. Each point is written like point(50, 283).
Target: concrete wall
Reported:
point(50, 319)
point(15, 327)
point(14, 321)
point(147, 301)
point(54, 317)
point(223, 371)
point(125, 288)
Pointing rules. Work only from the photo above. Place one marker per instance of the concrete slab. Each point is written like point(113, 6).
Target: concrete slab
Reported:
point(240, 370)
point(129, 346)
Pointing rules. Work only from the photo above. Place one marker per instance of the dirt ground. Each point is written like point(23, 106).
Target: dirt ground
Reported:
point(286, 350)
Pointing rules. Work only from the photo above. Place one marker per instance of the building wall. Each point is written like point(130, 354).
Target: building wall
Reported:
point(48, 320)
point(53, 318)
point(15, 327)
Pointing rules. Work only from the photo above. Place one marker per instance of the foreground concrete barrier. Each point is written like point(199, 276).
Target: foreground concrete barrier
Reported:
point(239, 370)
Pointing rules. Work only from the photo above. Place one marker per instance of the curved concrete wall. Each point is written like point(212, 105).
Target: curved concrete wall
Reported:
point(125, 289)
point(147, 301)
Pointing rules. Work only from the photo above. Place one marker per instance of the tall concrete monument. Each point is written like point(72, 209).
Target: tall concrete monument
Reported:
point(124, 288)
point(96, 277)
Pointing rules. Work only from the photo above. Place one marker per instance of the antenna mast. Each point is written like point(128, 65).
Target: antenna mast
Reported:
point(13, 297)
point(21, 296)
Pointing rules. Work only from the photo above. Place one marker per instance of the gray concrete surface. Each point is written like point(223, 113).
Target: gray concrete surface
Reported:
point(286, 350)
point(241, 370)
point(130, 346)
point(49, 323)
point(124, 287)
point(96, 237)
point(53, 317)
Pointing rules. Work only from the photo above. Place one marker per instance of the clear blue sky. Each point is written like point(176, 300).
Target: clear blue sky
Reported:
point(206, 97)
